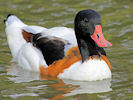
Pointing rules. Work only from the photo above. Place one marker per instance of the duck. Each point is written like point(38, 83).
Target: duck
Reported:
point(61, 52)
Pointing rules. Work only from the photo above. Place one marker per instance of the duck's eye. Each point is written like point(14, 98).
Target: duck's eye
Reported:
point(86, 20)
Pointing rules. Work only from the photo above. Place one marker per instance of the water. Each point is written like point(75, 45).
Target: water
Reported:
point(117, 22)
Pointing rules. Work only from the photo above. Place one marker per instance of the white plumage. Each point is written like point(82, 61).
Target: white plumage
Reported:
point(91, 70)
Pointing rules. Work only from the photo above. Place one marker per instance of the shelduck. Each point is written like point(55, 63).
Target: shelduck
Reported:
point(61, 52)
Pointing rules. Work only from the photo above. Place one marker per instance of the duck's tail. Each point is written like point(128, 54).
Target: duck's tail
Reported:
point(13, 20)
point(13, 29)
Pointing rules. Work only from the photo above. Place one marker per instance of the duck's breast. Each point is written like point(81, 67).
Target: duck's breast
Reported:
point(90, 70)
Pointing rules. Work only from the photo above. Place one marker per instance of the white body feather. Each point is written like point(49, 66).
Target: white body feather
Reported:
point(91, 70)
point(30, 58)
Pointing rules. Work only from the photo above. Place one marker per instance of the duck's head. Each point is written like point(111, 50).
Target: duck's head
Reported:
point(88, 31)
point(88, 24)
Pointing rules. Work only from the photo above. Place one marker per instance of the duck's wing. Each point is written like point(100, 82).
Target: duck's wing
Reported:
point(63, 33)
point(34, 29)
point(52, 48)
point(66, 34)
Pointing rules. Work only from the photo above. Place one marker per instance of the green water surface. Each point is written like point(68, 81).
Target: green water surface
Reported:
point(117, 22)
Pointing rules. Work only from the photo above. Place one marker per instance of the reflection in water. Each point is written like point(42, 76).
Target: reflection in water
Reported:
point(89, 87)
point(21, 74)
point(64, 87)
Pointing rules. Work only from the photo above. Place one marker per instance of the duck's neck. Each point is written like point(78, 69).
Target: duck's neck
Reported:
point(87, 47)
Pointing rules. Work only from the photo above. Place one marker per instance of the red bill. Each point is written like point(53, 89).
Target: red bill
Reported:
point(99, 38)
